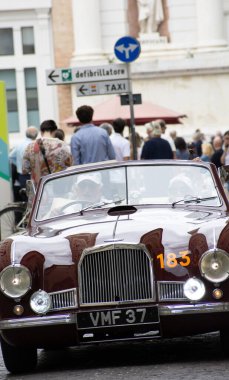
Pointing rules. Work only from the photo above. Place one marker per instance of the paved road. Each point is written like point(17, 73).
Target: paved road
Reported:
point(189, 358)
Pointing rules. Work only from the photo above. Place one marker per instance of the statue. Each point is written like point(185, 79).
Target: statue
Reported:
point(150, 15)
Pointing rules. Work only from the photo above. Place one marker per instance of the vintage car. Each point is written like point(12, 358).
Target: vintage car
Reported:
point(117, 252)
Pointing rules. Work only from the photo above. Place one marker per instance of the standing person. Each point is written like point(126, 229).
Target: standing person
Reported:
point(218, 151)
point(120, 144)
point(225, 156)
point(16, 155)
point(198, 139)
point(107, 127)
point(207, 152)
point(182, 152)
point(139, 141)
point(156, 148)
point(149, 127)
point(47, 154)
point(168, 138)
point(90, 143)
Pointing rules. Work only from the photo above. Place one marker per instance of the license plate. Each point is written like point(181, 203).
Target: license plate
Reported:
point(117, 317)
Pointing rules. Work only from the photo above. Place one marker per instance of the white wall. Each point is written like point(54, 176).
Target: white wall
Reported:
point(114, 22)
point(182, 22)
point(16, 14)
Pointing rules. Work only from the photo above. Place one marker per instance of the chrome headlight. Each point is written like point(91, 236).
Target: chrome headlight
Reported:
point(214, 265)
point(40, 302)
point(194, 289)
point(15, 281)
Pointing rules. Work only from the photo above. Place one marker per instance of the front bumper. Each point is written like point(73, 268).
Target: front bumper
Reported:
point(71, 318)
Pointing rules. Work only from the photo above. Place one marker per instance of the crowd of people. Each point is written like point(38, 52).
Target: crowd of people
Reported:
point(45, 151)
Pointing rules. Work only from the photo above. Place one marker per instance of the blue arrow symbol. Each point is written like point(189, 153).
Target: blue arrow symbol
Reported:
point(126, 50)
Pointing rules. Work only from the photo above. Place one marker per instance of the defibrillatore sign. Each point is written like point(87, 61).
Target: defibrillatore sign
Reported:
point(86, 74)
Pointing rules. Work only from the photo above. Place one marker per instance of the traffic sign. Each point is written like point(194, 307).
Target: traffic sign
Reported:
point(86, 74)
point(125, 99)
point(103, 88)
point(127, 49)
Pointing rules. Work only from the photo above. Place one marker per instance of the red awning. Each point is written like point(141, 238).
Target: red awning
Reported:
point(143, 113)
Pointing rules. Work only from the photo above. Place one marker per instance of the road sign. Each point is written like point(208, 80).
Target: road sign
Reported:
point(86, 74)
point(103, 88)
point(127, 49)
point(125, 99)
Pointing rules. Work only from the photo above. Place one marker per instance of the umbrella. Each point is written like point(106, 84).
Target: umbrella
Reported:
point(143, 113)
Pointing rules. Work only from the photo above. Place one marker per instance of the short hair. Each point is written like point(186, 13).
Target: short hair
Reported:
point(48, 126)
point(180, 143)
point(85, 114)
point(161, 123)
point(60, 134)
point(107, 127)
point(156, 129)
point(31, 132)
point(119, 125)
point(226, 133)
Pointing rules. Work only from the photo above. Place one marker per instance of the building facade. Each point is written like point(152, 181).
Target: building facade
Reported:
point(184, 63)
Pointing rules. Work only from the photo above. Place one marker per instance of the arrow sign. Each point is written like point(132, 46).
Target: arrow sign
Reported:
point(83, 90)
point(51, 76)
point(127, 49)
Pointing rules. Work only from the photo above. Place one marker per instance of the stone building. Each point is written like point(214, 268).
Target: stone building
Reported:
point(184, 63)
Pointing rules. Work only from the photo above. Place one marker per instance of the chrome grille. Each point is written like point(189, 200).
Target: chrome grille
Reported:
point(171, 291)
point(115, 273)
point(65, 299)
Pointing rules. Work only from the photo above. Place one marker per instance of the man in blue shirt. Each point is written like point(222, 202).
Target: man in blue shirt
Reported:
point(90, 143)
point(16, 155)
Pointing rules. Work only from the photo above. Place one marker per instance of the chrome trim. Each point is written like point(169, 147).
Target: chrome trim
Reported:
point(120, 270)
point(64, 299)
point(171, 291)
point(53, 320)
point(198, 308)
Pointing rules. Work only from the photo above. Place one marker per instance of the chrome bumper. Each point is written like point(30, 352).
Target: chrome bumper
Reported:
point(71, 318)
point(199, 308)
point(52, 320)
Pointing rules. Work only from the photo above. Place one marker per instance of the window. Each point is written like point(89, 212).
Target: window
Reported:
point(27, 37)
point(31, 96)
point(9, 77)
point(6, 42)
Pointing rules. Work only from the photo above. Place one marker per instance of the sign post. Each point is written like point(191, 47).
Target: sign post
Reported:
point(127, 49)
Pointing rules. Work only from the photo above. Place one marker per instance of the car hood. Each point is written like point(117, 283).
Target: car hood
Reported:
point(177, 226)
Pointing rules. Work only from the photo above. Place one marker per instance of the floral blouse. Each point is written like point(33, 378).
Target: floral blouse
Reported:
point(57, 154)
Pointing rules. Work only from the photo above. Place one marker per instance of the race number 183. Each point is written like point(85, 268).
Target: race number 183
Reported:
point(171, 260)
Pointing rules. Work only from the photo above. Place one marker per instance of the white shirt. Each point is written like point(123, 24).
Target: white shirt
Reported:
point(170, 141)
point(121, 146)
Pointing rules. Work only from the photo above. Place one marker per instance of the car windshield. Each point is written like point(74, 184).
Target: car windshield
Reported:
point(133, 185)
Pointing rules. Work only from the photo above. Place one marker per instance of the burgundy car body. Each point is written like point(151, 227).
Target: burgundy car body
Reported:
point(117, 271)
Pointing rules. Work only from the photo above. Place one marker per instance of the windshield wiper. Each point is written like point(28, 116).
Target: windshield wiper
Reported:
point(194, 199)
point(100, 204)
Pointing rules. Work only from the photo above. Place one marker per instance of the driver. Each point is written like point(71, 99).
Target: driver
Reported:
point(88, 188)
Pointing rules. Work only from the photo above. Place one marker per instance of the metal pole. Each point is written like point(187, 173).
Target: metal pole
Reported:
point(131, 103)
